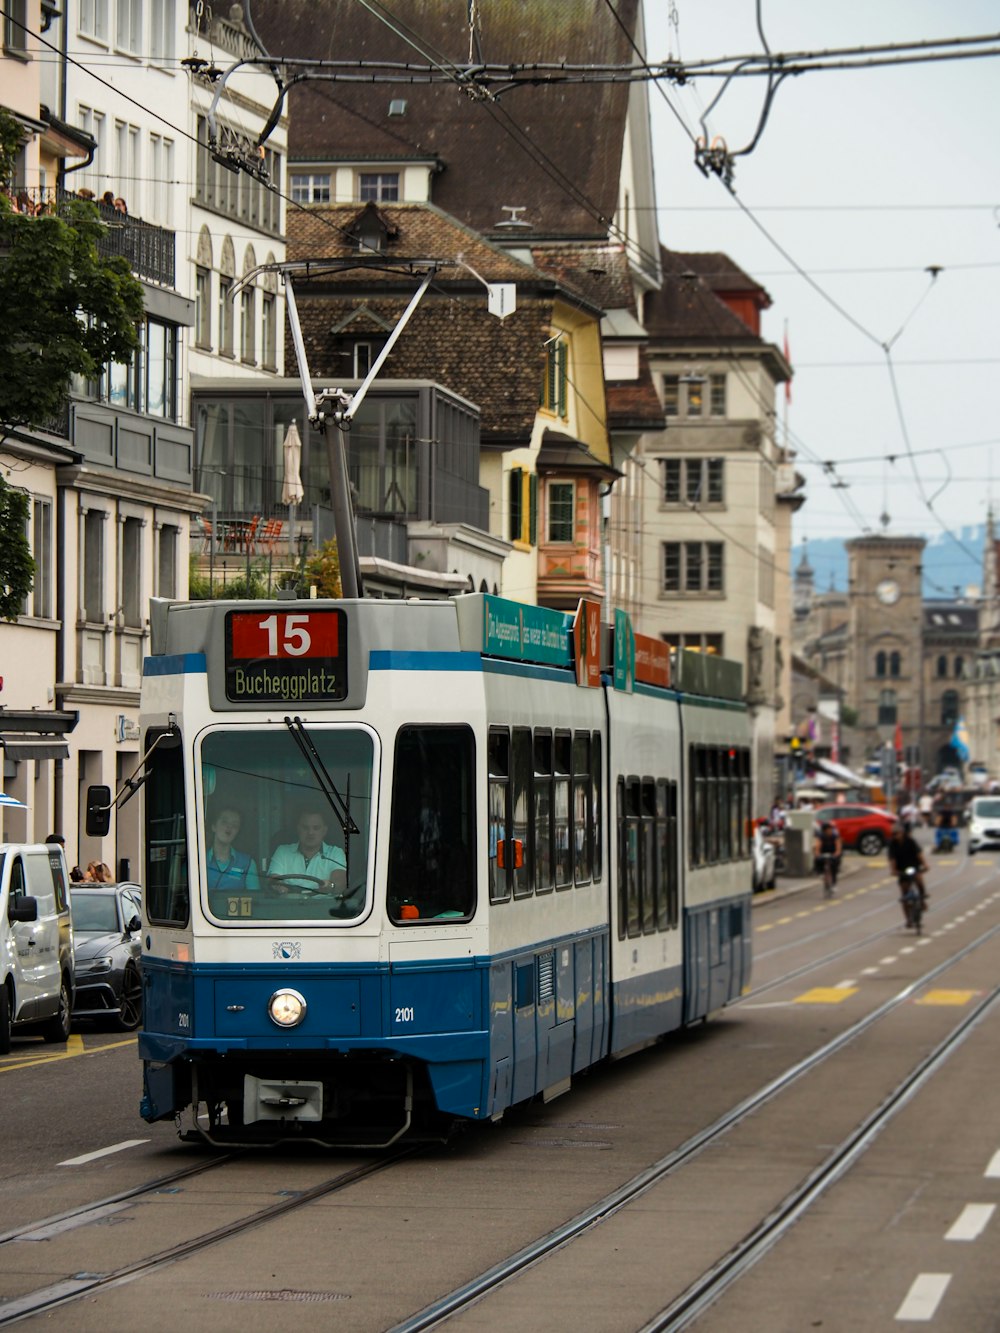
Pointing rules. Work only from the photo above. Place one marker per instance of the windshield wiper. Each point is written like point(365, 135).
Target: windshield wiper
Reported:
point(326, 784)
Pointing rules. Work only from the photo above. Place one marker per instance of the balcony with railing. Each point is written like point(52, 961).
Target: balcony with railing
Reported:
point(149, 250)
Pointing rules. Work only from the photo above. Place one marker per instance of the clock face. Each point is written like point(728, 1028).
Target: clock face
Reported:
point(887, 592)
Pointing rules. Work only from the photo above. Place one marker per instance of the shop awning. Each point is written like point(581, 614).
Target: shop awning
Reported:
point(844, 773)
point(21, 746)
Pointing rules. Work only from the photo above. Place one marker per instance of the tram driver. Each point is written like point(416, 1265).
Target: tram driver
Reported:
point(312, 862)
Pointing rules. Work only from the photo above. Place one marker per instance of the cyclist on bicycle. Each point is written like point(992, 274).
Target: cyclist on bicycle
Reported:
point(905, 854)
point(827, 849)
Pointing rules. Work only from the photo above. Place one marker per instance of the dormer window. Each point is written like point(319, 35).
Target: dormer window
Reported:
point(380, 187)
point(372, 230)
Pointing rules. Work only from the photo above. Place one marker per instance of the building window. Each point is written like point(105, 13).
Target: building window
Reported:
point(161, 37)
point(203, 308)
point(880, 661)
point(128, 34)
point(94, 19)
point(161, 172)
point(310, 189)
point(380, 187)
point(248, 314)
point(711, 644)
point(959, 663)
point(693, 567)
point(41, 550)
point(131, 572)
point(671, 395)
point(225, 316)
point(560, 505)
point(717, 395)
point(949, 708)
point(93, 567)
point(693, 481)
point(695, 395)
point(553, 397)
point(166, 572)
point(887, 708)
point(15, 26)
point(268, 331)
point(942, 666)
point(363, 356)
point(894, 664)
point(161, 364)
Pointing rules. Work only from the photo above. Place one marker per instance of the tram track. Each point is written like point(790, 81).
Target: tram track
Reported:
point(710, 1285)
point(73, 1288)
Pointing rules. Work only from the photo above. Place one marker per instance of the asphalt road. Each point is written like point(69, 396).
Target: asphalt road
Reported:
point(906, 1233)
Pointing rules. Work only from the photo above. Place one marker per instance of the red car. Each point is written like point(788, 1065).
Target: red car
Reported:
point(865, 828)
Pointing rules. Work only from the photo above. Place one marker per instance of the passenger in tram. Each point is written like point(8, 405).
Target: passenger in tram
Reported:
point(904, 853)
point(312, 862)
point(227, 868)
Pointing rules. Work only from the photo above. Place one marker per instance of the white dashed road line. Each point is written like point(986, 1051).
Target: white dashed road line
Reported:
point(924, 1297)
point(102, 1152)
point(971, 1221)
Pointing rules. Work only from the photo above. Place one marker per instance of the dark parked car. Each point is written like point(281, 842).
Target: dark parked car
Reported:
point(106, 922)
point(865, 828)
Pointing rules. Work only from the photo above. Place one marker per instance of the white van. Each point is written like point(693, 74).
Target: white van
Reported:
point(36, 942)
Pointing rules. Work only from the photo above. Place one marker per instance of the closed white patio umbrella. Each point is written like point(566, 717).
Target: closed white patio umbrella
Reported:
point(292, 490)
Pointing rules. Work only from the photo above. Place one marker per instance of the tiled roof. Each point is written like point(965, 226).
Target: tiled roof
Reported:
point(450, 338)
point(635, 404)
point(598, 272)
point(687, 307)
point(554, 150)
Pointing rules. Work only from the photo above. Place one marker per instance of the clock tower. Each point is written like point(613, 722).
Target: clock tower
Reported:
point(885, 637)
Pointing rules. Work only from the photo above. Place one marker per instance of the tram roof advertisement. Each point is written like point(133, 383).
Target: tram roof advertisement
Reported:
point(288, 657)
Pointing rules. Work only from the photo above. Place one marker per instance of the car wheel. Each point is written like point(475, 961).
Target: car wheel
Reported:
point(870, 844)
point(130, 1001)
point(57, 1029)
point(4, 1020)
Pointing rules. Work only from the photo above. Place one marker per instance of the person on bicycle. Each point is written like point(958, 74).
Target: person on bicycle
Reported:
point(905, 854)
point(827, 849)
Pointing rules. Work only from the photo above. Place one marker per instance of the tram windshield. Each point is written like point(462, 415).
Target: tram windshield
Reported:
point(287, 822)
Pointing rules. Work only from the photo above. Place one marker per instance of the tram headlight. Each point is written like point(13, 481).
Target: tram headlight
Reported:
point(287, 1008)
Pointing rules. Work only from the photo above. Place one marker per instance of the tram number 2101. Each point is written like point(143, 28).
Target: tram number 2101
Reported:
point(405, 1014)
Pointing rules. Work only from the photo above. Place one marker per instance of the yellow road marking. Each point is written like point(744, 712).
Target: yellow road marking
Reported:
point(826, 995)
point(948, 997)
point(74, 1048)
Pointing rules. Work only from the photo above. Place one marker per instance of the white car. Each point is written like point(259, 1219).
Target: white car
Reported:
point(763, 861)
point(984, 823)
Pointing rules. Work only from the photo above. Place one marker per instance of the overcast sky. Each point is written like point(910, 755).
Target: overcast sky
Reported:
point(864, 178)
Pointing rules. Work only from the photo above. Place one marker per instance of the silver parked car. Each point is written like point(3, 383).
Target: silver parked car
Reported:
point(107, 919)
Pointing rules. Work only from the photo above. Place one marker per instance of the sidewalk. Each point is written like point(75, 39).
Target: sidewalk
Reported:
point(787, 885)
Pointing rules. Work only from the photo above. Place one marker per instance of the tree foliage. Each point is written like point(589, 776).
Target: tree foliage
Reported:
point(323, 570)
point(64, 309)
point(17, 569)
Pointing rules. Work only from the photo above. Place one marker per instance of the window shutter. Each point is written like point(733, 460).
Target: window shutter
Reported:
point(533, 510)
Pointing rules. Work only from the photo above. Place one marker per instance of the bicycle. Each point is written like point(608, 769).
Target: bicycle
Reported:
point(911, 898)
point(827, 860)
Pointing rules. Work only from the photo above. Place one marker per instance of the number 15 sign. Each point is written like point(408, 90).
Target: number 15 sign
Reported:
point(287, 657)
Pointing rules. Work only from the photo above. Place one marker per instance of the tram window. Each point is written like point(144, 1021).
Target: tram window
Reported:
point(543, 811)
point(632, 852)
point(521, 875)
point(622, 830)
point(663, 848)
point(711, 804)
point(697, 833)
point(583, 824)
point(432, 833)
point(168, 898)
point(724, 805)
point(300, 852)
point(674, 863)
point(649, 886)
point(597, 809)
point(745, 779)
point(561, 811)
point(501, 858)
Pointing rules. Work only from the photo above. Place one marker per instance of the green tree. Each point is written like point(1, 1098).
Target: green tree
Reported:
point(323, 569)
point(64, 309)
point(17, 569)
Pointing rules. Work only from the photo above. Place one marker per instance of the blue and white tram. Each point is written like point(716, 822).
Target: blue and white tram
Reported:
point(402, 869)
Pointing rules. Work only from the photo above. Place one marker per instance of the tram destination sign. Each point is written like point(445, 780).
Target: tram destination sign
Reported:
point(287, 657)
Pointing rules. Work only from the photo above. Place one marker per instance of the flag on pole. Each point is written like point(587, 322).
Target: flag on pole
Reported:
point(788, 358)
